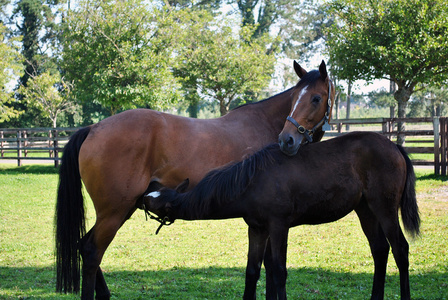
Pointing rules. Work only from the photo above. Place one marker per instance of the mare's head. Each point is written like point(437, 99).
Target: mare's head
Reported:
point(311, 109)
point(164, 201)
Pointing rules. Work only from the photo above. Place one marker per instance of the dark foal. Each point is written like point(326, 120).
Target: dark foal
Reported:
point(322, 183)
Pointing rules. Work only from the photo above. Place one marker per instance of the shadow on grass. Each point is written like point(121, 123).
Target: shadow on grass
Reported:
point(30, 169)
point(432, 177)
point(218, 283)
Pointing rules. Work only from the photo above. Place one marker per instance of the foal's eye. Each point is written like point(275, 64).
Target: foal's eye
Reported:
point(316, 99)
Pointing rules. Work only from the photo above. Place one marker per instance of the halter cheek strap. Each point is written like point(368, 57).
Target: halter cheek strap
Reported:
point(308, 133)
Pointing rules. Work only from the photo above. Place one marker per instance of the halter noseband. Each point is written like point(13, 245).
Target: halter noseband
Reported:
point(324, 122)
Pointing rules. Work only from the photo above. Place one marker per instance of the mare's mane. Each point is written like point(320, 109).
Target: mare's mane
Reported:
point(225, 184)
point(309, 79)
point(261, 101)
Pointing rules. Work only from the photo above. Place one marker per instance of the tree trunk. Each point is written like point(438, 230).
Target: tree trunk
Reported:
point(349, 96)
point(193, 108)
point(222, 107)
point(402, 95)
point(392, 90)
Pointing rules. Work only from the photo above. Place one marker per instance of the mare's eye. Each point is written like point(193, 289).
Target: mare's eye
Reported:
point(316, 99)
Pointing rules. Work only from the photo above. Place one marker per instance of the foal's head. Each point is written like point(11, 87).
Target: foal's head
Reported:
point(164, 201)
point(311, 109)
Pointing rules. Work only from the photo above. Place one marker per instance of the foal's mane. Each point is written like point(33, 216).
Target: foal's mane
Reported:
point(225, 184)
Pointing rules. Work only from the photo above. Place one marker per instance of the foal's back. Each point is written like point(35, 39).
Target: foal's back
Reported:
point(327, 180)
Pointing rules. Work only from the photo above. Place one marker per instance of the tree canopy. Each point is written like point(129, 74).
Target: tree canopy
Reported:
point(402, 40)
point(222, 66)
point(10, 67)
point(118, 54)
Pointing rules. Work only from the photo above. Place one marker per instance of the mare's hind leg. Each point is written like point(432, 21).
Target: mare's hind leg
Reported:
point(378, 246)
point(93, 246)
point(92, 280)
point(257, 246)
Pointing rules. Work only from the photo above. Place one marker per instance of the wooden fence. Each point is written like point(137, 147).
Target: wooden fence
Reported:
point(44, 144)
point(423, 136)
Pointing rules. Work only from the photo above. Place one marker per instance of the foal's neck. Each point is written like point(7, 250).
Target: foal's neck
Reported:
point(191, 208)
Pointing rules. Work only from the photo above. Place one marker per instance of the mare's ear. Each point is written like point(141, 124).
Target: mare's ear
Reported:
point(299, 70)
point(182, 187)
point(323, 70)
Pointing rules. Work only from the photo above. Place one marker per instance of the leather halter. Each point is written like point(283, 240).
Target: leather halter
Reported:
point(322, 123)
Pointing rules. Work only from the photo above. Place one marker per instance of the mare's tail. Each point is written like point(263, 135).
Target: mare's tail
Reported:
point(69, 217)
point(409, 207)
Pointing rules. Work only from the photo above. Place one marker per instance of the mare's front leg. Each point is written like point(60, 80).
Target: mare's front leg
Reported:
point(278, 236)
point(257, 246)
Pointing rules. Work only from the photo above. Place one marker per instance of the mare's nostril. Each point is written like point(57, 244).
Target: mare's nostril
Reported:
point(290, 141)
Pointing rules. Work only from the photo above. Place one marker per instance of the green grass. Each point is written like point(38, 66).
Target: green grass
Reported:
point(206, 259)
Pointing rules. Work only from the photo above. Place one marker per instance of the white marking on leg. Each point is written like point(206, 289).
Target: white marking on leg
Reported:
point(302, 92)
point(154, 194)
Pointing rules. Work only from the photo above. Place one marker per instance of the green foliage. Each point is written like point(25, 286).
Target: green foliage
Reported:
point(402, 40)
point(49, 93)
point(118, 54)
point(10, 67)
point(430, 102)
point(215, 63)
point(36, 23)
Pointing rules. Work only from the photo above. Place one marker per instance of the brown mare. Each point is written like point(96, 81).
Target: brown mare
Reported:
point(138, 151)
point(322, 183)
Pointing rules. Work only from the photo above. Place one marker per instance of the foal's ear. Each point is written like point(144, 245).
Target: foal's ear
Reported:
point(182, 187)
point(299, 70)
point(323, 70)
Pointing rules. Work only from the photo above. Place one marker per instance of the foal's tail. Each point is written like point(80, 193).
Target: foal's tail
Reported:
point(69, 218)
point(409, 207)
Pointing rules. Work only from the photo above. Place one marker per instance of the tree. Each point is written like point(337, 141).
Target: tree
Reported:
point(118, 53)
point(10, 67)
point(381, 98)
point(402, 40)
point(39, 30)
point(223, 66)
point(430, 102)
point(36, 23)
point(50, 94)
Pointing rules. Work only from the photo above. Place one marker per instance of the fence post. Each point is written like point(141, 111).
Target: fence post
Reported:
point(435, 125)
point(50, 152)
point(19, 146)
point(2, 137)
point(25, 142)
point(55, 147)
point(444, 145)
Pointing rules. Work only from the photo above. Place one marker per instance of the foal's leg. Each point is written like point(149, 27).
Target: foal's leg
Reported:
point(271, 292)
point(278, 236)
point(378, 246)
point(400, 250)
point(257, 246)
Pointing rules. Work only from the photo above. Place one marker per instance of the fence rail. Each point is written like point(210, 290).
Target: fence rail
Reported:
point(33, 143)
point(423, 136)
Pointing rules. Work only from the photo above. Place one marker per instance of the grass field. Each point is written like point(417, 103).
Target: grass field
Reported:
point(206, 259)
